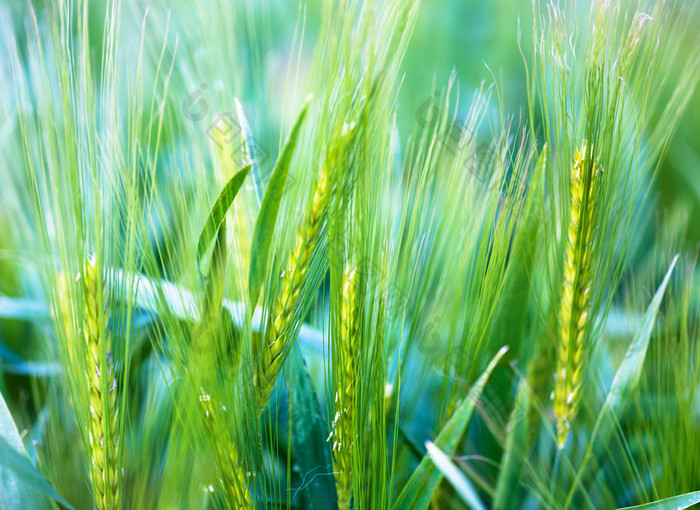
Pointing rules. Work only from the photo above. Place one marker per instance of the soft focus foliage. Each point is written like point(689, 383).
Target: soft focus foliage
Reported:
point(349, 254)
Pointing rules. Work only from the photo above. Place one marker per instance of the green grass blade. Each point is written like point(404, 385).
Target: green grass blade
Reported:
point(21, 484)
point(217, 214)
point(32, 368)
point(515, 452)
point(267, 217)
point(19, 472)
point(460, 482)
point(674, 503)
point(309, 438)
point(625, 380)
point(627, 376)
point(425, 479)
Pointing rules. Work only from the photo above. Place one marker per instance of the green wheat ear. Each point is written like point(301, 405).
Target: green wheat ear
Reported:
point(276, 341)
point(576, 293)
point(342, 435)
point(234, 480)
point(103, 393)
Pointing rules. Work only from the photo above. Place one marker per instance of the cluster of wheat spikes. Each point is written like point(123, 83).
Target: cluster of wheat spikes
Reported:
point(309, 308)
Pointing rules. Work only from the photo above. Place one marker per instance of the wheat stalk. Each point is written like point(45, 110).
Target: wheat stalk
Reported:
point(342, 434)
point(103, 395)
point(576, 294)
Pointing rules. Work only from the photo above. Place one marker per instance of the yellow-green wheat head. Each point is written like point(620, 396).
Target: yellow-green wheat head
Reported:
point(101, 379)
point(346, 391)
point(575, 298)
point(275, 342)
point(233, 480)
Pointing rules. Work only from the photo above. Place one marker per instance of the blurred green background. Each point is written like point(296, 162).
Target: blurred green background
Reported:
point(479, 41)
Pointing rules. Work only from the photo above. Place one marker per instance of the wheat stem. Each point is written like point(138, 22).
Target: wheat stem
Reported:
point(346, 394)
point(103, 395)
point(575, 297)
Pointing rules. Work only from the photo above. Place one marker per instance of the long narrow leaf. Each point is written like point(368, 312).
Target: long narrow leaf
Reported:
point(309, 437)
point(267, 217)
point(22, 309)
point(674, 503)
point(515, 452)
point(460, 482)
point(14, 364)
point(425, 479)
point(217, 214)
point(625, 380)
point(181, 304)
point(21, 484)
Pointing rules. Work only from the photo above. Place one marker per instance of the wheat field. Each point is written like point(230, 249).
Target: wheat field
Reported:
point(349, 254)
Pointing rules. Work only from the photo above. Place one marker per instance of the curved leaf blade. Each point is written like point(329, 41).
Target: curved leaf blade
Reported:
point(269, 209)
point(460, 482)
point(516, 450)
point(426, 478)
point(675, 503)
point(21, 484)
point(218, 213)
point(625, 380)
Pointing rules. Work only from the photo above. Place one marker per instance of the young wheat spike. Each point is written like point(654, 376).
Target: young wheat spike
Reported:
point(345, 396)
point(275, 342)
point(274, 345)
point(575, 297)
point(233, 477)
point(103, 394)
